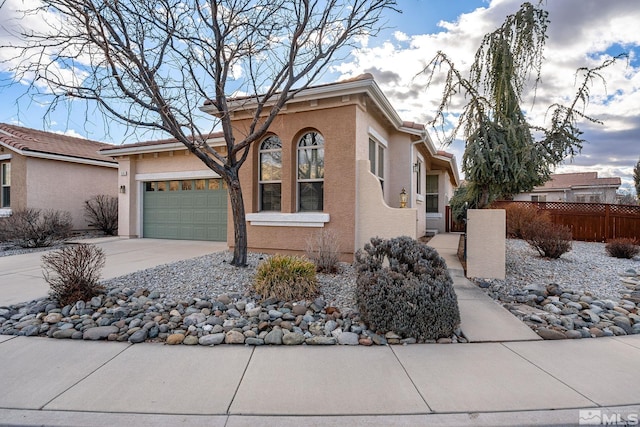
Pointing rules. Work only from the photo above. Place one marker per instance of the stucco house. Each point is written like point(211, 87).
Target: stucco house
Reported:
point(581, 187)
point(337, 157)
point(47, 170)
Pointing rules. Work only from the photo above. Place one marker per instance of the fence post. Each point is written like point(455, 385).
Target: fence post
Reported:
point(447, 218)
point(607, 218)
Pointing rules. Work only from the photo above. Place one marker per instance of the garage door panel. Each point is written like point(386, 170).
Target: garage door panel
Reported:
point(187, 213)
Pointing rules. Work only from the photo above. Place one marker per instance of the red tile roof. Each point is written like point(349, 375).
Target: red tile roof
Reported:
point(580, 179)
point(31, 140)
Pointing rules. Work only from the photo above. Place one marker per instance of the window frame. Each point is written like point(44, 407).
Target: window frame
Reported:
point(262, 182)
point(430, 195)
point(320, 148)
point(377, 157)
point(5, 184)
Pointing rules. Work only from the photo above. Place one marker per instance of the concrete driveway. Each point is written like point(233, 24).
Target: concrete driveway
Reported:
point(21, 275)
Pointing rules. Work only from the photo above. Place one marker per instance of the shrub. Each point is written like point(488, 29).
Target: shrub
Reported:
point(622, 248)
point(35, 228)
point(404, 286)
point(286, 278)
point(518, 217)
point(324, 250)
point(549, 239)
point(101, 212)
point(73, 272)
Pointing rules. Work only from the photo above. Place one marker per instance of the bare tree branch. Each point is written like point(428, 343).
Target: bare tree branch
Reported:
point(153, 65)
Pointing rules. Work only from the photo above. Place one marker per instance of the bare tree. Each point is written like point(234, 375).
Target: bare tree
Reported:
point(154, 65)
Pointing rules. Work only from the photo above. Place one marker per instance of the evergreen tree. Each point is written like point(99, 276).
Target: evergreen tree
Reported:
point(502, 157)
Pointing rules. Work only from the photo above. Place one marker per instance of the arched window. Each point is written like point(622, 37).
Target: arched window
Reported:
point(270, 174)
point(311, 172)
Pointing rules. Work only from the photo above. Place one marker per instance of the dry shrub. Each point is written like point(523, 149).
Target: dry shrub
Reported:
point(623, 248)
point(35, 228)
point(324, 250)
point(101, 212)
point(404, 286)
point(549, 239)
point(73, 272)
point(286, 278)
point(518, 217)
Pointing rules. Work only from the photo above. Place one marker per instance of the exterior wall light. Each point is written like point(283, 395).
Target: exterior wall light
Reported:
point(123, 189)
point(403, 198)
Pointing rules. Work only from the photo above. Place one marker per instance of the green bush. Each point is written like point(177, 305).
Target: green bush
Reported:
point(549, 239)
point(101, 212)
point(622, 248)
point(35, 228)
point(323, 249)
point(73, 272)
point(286, 278)
point(404, 286)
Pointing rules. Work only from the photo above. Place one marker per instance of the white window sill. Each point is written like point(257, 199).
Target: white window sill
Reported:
point(434, 215)
point(4, 212)
point(274, 219)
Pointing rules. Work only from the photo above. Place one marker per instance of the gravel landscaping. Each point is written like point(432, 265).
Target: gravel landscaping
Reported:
point(207, 301)
point(585, 293)
point(204, 301)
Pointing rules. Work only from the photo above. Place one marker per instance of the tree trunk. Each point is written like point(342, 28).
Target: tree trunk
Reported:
point(239, 221)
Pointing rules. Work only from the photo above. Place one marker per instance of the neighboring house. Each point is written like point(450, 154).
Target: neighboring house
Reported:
point(46, 170)
point(582, 187)
point(337, 158)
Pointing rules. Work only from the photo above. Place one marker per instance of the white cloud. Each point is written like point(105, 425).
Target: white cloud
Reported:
point(581, 33)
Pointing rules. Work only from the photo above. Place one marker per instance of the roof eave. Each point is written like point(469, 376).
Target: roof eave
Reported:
point(60, 157)
point(155, 148)
point(367, 86)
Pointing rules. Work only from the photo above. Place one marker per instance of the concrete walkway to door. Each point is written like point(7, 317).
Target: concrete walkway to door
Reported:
point(21, 275)
point(482, 319)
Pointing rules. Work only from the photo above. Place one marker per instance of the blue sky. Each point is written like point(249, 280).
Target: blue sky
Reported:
point(581, 33)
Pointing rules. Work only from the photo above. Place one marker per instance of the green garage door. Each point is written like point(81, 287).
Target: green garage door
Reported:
point(191, 209)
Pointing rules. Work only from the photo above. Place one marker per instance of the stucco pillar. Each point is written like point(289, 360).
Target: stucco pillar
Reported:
point(127, 197)
point(486, 243)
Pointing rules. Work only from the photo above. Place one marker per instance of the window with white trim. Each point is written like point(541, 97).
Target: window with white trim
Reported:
point(270, 174)
point(311, 172)
point(5, 185)
point(432, 194)
point(376, 159)
point(539, 198)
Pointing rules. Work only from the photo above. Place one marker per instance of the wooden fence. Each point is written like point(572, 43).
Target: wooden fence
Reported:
point(451, 225)
point(591, 222)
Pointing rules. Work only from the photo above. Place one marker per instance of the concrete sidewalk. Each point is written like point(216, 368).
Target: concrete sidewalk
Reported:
point(483, 320)
point(63, 382)
point(21, 275)
point(514, 382)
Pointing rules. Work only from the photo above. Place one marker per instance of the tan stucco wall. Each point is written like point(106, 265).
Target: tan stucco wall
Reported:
point(337, 126)
point(399, 160)
point(486, 243)
point(59, 185)
point(18, 182)
point(346, 124)
point(376, 218)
